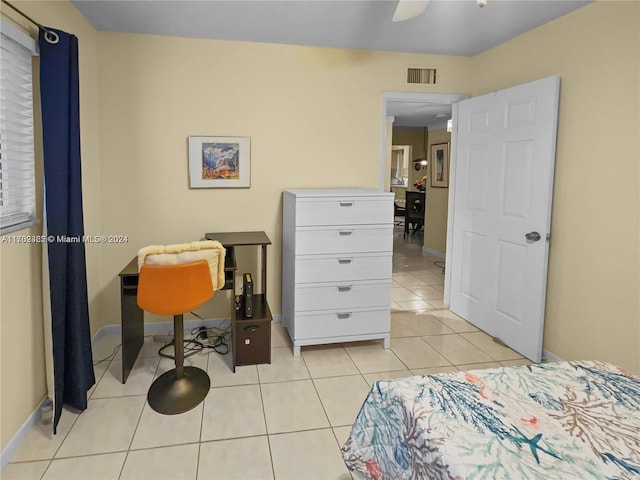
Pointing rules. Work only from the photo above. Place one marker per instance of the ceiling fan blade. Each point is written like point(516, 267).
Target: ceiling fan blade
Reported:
point(408, 9)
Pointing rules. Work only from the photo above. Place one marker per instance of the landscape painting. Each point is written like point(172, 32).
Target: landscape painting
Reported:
point(219, 162)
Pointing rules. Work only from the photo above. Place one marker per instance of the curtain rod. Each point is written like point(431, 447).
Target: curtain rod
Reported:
point(50, 36)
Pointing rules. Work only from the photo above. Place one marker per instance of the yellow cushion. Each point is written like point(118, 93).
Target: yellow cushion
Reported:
point(211, 251)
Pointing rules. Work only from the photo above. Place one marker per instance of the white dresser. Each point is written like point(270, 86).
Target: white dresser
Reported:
point(337, 250)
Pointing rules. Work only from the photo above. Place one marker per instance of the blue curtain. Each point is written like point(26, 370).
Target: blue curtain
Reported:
point(59, 94)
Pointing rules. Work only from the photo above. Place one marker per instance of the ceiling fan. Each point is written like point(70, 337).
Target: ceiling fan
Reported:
point(408, 9)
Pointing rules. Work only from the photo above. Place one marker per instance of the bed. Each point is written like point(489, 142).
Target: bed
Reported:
point(568, 420)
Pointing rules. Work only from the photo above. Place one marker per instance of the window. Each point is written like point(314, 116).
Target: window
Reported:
point(17, 177)
point(400, 155)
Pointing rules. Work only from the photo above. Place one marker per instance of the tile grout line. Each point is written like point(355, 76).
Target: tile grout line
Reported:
point(420, 337)
point(50, 461)
point(489, 353)
point(471, 343)
point(199, 449)
point(451, 364)
point(266, 427)
point(204, 401)
point(373, 373)
point(144, 404)
point(47, 468)
point(315, 388)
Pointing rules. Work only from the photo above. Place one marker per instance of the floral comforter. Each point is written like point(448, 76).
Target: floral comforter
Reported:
point(569, 420)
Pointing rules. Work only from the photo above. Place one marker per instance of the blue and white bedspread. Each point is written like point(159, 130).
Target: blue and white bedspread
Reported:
point(569, 420)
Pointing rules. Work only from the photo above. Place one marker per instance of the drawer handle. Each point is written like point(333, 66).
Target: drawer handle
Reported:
point(346, 204)
point(343, 316)
point(346, 232)
point(251, 328)
point(344, 261)
point(345, 288)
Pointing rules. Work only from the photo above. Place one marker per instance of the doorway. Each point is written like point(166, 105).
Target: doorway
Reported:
point(423, 116)
point(414, 112)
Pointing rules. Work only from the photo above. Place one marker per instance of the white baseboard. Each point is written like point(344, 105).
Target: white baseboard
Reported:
point(550, 357)
point(14, 444)
point(154, 328)
point(433, 252)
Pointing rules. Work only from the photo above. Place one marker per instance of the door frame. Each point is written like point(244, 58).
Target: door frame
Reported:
point(416, 97)
point(451, 204)
point(439, 98)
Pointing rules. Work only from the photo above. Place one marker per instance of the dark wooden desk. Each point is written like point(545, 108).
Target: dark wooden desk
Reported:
point(244, 239)
point(132, 316)
point(250, 337)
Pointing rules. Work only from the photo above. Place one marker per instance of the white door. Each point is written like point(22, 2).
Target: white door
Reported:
point(503, 185)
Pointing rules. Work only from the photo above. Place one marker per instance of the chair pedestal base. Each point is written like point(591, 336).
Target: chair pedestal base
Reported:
point(171, 395)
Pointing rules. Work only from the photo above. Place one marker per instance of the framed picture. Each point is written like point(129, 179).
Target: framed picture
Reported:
point(440, 165)
point(219, 162)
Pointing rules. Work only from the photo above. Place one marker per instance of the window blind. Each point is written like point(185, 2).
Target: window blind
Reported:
point(17, 177)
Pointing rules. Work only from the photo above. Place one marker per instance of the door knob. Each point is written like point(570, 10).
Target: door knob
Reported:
point(532, 236)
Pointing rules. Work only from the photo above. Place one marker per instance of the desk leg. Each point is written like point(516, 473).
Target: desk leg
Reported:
point(233, 328)
point(132, 325)
point(264, 271)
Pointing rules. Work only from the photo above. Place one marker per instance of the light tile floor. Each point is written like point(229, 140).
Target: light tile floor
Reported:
point(283, 420)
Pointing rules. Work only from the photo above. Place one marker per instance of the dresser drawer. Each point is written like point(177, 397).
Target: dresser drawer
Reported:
point(337, 268)
point(348, 239)
point(342, 323)
point(344, 211)
point(330, 296)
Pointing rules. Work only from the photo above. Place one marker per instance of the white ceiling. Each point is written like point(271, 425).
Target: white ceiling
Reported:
point(447, 27)
point(411, 114)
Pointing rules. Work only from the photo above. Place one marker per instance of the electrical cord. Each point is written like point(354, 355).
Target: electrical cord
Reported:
point(190, 347)
point(109, 357)
point(440, 265)
point(112, 354)
point(217, 339)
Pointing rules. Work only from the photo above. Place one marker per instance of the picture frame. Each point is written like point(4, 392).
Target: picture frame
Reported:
point(440, 165)
point(219, 162)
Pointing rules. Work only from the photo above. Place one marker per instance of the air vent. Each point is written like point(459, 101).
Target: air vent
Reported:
point(421, 75)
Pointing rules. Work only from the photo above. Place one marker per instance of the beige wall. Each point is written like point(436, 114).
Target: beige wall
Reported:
point(593, 290)
point(435, 230)
point(313, 115)
point(22, 377)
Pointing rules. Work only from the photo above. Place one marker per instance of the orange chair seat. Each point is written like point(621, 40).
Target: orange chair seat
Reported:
point(174, 289)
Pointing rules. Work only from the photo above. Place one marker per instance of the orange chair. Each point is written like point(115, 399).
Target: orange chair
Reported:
point(175, 290)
